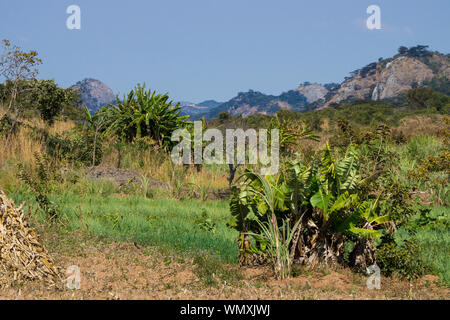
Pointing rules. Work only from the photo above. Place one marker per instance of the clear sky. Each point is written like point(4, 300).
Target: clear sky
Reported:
point(211, 49)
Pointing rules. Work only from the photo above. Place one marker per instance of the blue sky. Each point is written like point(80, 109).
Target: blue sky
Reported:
point(212, 49)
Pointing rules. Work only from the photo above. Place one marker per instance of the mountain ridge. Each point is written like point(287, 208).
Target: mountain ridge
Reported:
point(381, 80)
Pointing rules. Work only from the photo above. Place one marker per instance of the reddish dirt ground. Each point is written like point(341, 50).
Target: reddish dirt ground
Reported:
point(128, 271)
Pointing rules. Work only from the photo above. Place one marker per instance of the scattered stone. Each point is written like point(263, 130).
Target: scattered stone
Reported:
point(123, 177)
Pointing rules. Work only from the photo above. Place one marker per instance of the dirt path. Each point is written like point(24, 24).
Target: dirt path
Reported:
point(128, 271)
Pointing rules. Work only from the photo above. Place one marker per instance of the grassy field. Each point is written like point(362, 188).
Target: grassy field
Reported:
point(188, 225)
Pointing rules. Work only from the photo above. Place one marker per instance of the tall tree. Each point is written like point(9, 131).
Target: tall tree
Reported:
point(17, 66)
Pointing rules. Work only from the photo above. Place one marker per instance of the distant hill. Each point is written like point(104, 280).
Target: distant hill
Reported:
point(251, 102)
point(389, 78)
point(94, 93)
point(386, 79)
point(196, 111)
point(210, 104)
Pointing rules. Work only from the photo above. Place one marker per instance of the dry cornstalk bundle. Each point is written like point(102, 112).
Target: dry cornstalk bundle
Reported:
point(22, 257)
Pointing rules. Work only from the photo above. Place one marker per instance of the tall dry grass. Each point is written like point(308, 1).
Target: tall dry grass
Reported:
point(22, 147)
point(159, 165)
point(434, 125)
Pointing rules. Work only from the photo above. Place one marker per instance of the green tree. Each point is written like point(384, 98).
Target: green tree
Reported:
point(52, 100)
point(424, 98)
point(403, 50)
point(17, 66)
point(223, 116)
point(43, 98)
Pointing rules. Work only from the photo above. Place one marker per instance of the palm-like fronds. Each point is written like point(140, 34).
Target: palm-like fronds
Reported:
point(323, 197)
point(145, 113)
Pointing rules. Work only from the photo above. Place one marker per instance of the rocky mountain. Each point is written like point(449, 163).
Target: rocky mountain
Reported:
point(251, 102)
point(94, 93)
point(384, 79)
point(389, 78)
point(312, 92)
point(192, 109)
point(196, 111)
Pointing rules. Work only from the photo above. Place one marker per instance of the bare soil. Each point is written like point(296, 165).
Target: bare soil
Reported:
point(129, 271)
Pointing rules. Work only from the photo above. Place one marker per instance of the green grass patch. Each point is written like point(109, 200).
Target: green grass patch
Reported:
point(155, 222)
point(433, 239)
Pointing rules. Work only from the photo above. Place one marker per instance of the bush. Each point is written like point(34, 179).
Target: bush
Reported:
point(426, 221)
point(6, 124)
point(403, 260)
point(42, 182)
point(76, 147)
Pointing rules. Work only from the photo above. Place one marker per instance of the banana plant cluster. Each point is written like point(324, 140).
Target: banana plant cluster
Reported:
point(321, 202)
point(143, 113)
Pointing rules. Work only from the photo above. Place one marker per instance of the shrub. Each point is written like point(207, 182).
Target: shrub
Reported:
point(75, 146)
point(403, 260)
point(324, 198)
point(41, 181)
point(6, 124)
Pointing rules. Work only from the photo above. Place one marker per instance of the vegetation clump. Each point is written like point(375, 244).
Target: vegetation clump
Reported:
point(360, 183)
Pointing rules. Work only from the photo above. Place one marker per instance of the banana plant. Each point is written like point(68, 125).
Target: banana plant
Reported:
point(270, 195)
point(96, 124)
point(364, 221)
point(145, 113)
point(322, 197)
